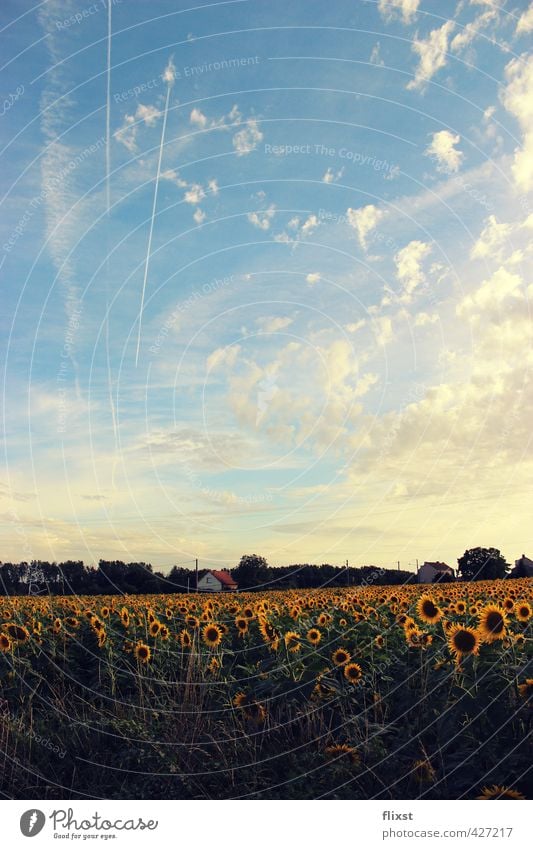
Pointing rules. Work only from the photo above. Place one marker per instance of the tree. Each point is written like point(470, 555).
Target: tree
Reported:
point(482, 564)
point(251, 572)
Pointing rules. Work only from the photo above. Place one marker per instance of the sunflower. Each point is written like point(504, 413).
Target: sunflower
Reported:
point(102, 637)
point(5, 643)
point(523, 611)
point(463, 641)
point(142, 652)
point(427, 610)
point(353, 673)
point(314, 636)
point(17, 633)
point(125, 617)
point(292, 642)
point(164, 633)
point(412, 638)
point(323, 619)
point(426, 639)
point(508, 604)
point(269, 633)
point(242, 624)
point(212, 635)
point(213, 665)
point(340, 656)
point(192, 622)
point(185, 639)
point(460, 607)
point(492, 622)
point(343, 623)
point(526, 688)
point(519, 640)
point(339, 750)
point(379, 641)
point(240, 700)
point(154, 628)
point(56, 627)
point(72, 622)
point(496, 792)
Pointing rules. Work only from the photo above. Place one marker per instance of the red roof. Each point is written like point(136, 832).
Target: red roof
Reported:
point(224, 578)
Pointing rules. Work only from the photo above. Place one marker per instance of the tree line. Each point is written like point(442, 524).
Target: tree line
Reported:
point(114, 577)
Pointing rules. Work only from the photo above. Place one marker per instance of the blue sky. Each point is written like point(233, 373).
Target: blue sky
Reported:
point(265, 276)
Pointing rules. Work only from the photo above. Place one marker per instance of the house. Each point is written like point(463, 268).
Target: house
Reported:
point(217, 582)
point(431, 573)
point(523, 568)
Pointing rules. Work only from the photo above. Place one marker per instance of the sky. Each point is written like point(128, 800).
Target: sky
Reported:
point(265, 280)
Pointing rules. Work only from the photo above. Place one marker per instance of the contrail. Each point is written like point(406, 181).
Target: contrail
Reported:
point(169, 77)
point(108, 206)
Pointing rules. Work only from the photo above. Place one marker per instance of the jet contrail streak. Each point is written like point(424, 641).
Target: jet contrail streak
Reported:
point(169, 78)
point(108, 205)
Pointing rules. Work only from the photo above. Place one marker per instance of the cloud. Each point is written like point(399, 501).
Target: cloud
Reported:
point(488, 298)
point(127, 134)
point(364, 220)
point(194, 194)
point(309, 225)
point(375, 56)
point(432, 52)
point(332, 176)
point(199, 216)
point(173, 177)
point(442, 149)
point(424, 318)
point(272, 324)
point(198, 118)
point(491, 240)
point(517, 97)
point(226, 356)
point(409, 267)
point(247, 139)
point(262, 219)
point(464, 38)
point(525, 22)
point(404, 9)
point(312, 278)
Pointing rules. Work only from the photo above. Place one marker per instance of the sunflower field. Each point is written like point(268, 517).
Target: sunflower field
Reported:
point(358, 693)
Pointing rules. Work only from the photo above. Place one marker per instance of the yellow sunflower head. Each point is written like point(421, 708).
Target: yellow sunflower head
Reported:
point(142, 653)
point(314, 636)
point(353, 673)
point(463, 641)
point(492, 623)
point(500, 792)
point(211, 635)
point(340, 656)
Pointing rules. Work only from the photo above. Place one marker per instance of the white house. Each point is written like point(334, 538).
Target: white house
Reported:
point(429, 571)
point(217, 582)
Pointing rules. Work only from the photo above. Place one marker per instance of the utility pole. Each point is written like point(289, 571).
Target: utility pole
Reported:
point(398, 565)
point(347, 574)
point(196, 561)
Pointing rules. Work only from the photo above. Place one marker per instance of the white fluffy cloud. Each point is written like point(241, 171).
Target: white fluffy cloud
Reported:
point(364, 220)
point(443, 150)
point(525, 22)
point(127, 134)
point(491, 240)
point(273, 323)
point(464, 38)
point(247, 139)
point(404, 9)
point(262, 219)
point(517, 97)
point(432, 52)
point(409, 267)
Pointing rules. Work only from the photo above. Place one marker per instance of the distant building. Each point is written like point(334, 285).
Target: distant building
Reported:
point(523, 568)
point(217, 582)
point(430, 573)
